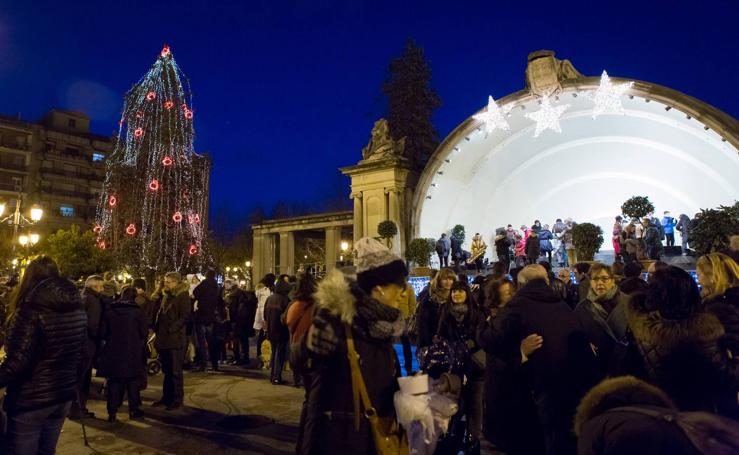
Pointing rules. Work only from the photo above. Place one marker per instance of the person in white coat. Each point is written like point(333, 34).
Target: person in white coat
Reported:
point(263, 291)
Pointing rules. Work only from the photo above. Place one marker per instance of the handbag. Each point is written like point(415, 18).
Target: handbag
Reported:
point(386, 432)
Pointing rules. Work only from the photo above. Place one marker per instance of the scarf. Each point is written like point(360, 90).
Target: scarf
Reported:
point(459, 311)
point(376, 320)
point(604, 302)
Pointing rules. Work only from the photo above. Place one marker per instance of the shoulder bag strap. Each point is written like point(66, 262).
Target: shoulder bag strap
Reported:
point(359, 389)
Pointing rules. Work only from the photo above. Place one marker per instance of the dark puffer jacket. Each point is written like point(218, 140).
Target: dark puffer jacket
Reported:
point(43, 346)
point(274, 309)
point(682, 357)
point(207, 295)
point(170, 325)
point(726, 308)
point(604, 425)
point(123, 331)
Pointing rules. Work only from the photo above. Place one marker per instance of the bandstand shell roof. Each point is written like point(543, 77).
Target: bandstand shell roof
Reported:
point(680, 152)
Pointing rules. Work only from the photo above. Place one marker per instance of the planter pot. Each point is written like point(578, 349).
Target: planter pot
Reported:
point(421, 271)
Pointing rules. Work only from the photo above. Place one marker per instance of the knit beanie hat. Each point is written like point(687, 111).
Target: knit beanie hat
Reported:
point(376, 265)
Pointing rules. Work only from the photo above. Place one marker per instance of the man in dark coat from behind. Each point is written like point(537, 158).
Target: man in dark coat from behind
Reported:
point(562, 370)
point(277, 333)
point(207, 295)
point(243, 309)
point(123, 333)
point(171, 341)
point(94, 301)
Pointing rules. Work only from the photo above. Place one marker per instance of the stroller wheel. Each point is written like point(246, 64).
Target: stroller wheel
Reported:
point(153, 368)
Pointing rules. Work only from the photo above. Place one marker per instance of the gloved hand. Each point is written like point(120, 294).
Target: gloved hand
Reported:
point(322, 339)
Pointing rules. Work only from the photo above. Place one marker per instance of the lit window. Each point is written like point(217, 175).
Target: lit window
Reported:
point(66, 210)
point(98, 157)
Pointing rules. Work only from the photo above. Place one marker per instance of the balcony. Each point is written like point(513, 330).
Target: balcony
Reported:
point(5, 186)
point(68, 193)
point(72, 174)
point(7, 165)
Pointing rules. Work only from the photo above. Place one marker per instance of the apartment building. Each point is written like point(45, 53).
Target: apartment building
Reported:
point(56, 163)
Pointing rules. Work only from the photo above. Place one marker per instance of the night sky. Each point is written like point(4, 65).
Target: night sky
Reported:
point(286, 92)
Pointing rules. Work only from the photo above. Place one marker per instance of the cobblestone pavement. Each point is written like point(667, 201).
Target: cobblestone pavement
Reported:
point(233, 411)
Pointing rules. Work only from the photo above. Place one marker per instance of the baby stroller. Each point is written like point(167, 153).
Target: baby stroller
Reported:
point(153, 365)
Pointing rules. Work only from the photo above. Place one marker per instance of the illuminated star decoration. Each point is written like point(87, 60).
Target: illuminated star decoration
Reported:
point(547, 118)
point(494, 117)
point(607, 97)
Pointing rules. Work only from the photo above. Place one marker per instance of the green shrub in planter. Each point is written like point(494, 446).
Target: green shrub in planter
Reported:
point(419, 251)
point(637, 207)
point(458, 233)
point(387, 229)
point(715, 227)
point(588, 239)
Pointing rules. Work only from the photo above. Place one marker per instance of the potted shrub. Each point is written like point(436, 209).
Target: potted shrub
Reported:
point(637, 207)
point(587, 238)
point(387, 230)
point(419, 252)
point(457, 239)
point(714, 228)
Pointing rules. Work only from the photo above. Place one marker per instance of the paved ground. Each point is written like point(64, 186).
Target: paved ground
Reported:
point(229, 412)
point(237, 411)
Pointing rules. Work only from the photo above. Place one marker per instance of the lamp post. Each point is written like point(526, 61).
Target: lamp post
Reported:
point(18, 220)
point(27, 242)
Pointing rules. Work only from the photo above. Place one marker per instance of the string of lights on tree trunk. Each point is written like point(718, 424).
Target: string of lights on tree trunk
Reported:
point(155, 193)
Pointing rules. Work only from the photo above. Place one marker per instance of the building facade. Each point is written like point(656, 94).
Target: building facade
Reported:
point(56, 163)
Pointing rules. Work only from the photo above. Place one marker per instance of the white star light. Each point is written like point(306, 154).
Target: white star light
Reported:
point(547, 118)
point(607, 97)
point(493, 117)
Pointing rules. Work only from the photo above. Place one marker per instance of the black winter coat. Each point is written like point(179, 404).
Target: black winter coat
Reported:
point(274, 309)
point(682, 357)
point(207, 294)
point(565, 363)
point(464, 331)
point(605, 323)
point(123, 333)
point(43, 347)
point(726, 309)
point(329, 424)
point(243, 309)
point(533, 249)
point(428, 320)
point(502, 247)
point(94, 304)
point(632, 285)
point(171, 320)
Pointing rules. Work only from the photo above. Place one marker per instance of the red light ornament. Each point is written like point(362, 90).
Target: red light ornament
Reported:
point(138, 132)
point(165, 51)
point(177, 217)
point(101, 245)
point(193, 250)
point(151, 96)
point(112, 201)
point(168, 104)
point(194, 219)
point(131, 229)
point(97, 229)
point(167, 160)
point(154, 185)
point(139, 115)
point(188, 114)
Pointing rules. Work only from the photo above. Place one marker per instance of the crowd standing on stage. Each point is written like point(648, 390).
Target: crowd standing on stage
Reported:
point(540, 354)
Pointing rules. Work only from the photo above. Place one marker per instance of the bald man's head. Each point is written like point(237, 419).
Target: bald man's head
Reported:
point(532, 272)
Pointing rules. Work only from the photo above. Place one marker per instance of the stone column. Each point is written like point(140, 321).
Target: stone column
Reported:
point(287, 253)
point(394, 215)
point(333, 237)
point(358, 216)
point(257, 258)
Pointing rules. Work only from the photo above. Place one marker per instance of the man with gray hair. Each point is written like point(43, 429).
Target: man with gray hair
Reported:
point(561, 369)
point(171, 340)
point(94, 302)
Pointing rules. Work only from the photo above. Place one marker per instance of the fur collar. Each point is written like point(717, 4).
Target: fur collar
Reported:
point(651, 328)
point(335, 295)
point(617, 392)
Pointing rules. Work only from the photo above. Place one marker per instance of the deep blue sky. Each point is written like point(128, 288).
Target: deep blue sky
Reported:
point(286, 92)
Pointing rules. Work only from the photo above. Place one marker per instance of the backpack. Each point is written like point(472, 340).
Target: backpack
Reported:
point(709, 433)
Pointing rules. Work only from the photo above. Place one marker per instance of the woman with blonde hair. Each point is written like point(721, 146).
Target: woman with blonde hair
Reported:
point(428, 309)
point(718, 275)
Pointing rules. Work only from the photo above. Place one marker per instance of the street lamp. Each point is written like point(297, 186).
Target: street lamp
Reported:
point(18, 220)
point(344, 246)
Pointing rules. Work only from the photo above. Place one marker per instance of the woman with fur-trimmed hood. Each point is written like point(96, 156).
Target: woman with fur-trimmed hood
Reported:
point(368, 305)
point(608, 421)
point(676, 344)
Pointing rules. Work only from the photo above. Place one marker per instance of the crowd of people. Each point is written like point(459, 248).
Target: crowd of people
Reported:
point(633, 240)
point(532, 361)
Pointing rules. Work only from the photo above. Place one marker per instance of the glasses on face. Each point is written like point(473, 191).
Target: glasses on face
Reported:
point(602, 278)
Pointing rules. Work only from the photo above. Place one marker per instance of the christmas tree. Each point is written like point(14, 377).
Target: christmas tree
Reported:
point(152, 210)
